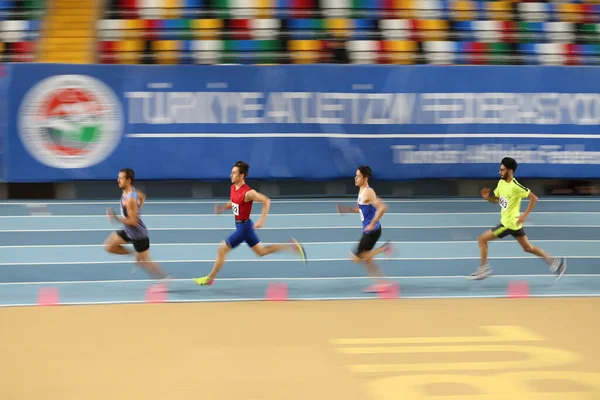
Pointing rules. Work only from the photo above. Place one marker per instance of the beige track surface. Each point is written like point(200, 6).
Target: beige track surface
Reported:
point(471, 349)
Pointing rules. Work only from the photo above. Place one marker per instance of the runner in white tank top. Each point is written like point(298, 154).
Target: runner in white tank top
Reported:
point(371, 208)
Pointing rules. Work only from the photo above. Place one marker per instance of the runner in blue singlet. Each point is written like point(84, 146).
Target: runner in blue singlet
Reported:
point(367, 212)
point(134, 230)
point(371, 208)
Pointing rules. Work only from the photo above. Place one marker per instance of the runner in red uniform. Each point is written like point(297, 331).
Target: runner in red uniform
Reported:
point(242, 197)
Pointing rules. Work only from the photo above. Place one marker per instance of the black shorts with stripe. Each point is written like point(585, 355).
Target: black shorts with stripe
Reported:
point(501, 231)
point(367, 241)
point(139, 245)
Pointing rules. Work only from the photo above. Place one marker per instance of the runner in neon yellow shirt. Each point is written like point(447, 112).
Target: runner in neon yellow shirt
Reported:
point(508, 194)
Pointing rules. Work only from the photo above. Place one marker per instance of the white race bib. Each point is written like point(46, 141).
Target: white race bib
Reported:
point(362, 217)
point(503, 202)
point(235, 208)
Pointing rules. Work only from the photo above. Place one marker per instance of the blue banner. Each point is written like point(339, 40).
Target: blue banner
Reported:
point(4, 96)
point(85, 122)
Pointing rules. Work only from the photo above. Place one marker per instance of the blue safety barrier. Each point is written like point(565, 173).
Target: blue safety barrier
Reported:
point(85, 122)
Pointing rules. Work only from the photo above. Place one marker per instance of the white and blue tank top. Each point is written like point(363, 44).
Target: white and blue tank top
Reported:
point(367, 213)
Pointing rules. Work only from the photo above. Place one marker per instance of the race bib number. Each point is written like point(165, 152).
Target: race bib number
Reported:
point(235, 208)
point(503, 202)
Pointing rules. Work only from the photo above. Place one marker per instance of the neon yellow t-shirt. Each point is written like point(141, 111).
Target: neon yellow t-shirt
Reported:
point(509, 199)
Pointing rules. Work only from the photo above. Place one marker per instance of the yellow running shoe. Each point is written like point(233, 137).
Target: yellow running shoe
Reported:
point(299, 249)
point(203, 281)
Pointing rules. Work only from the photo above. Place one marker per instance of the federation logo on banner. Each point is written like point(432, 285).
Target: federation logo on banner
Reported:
point(70, 121)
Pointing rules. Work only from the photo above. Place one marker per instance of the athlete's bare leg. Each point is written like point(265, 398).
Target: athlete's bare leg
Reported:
point(114, 244)
point(264, 250)
point(144, 261)
point(529, 248)
point(484, 270)
point(558, 266)
point(370, 254)
point(260, 249)
point(222, 252)
point(370, 266)
point(483, 240)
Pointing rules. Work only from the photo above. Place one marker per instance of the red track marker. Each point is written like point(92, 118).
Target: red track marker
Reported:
point(518, 289)
point(277, 292)
point(48, 296)
point(156, 293)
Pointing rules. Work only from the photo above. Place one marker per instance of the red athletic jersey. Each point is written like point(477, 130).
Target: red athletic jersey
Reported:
point(241, 209)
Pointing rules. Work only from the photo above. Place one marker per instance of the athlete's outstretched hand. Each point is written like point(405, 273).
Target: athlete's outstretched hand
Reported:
point(222, 208)
point(485, 193)
point(259, 224)
point(344, 210)
point(111, 214)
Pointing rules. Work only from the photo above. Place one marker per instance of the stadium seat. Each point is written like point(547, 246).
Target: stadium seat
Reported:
point(561, 32)
point(463, 32)
point(20, 22)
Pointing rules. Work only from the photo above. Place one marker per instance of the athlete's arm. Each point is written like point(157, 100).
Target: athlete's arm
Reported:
point(253, 195)
point(532, 200)
point(132, 213)
point(371, 198)
point(487, 194)
point(343, 209)
point(220, 208)
point(111, 215)
point(141, 196)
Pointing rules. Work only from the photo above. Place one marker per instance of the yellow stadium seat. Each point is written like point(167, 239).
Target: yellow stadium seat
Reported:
point(130, 45)
point(166, 45)
point(167, 57)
